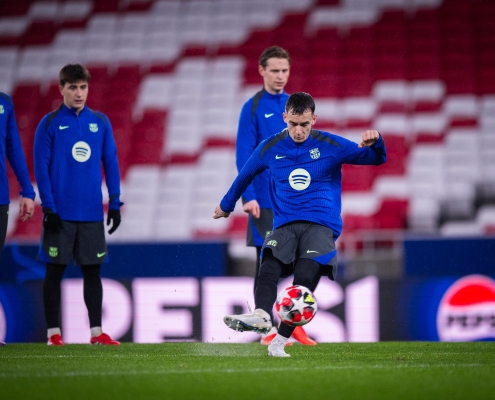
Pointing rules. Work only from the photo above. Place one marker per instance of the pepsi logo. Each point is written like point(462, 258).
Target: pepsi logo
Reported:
point(467, 310)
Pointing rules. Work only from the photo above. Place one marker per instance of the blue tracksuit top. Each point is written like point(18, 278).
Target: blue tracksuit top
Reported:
point(306, 182)
point(68, 154)
point(10, 145)
point(253, 129)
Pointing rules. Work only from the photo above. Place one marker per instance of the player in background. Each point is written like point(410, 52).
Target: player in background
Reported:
point(70, 145)
point(10, 145)
point(306, 191)
point(261, 117)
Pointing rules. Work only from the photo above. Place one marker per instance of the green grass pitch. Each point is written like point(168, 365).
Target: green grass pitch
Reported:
point(387, 370)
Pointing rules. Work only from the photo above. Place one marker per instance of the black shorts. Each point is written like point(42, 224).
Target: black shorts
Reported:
point(303, 239)
point(258, 228)
point(83, 241)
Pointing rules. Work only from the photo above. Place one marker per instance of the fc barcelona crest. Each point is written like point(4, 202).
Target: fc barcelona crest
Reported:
point(53, 251)
point(93, 127)
point(1, 109)
point(314, 153)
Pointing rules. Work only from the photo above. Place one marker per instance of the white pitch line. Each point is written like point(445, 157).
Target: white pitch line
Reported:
point(226, 370)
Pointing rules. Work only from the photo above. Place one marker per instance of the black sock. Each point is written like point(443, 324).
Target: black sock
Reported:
point(256, 277)
point(51, 294)
point(93, 293)
point(285, 330)
point(266, 289)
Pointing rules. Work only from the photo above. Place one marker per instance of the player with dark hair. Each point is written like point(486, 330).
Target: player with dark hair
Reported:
point(10, 146)
point(305, 192)
point(70, 145)
point(261, 117)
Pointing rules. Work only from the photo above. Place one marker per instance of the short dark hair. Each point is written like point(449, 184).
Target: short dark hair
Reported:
point(273, 52)
point(73, 73)
point(298, 103)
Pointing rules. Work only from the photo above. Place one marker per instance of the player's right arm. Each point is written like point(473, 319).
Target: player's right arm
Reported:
point(43, 142)
point(254, 166)
point(246, 144)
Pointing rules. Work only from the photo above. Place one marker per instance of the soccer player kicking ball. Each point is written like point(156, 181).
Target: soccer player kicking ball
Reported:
point(305, 193)
point(70, 145)
point(261, 117)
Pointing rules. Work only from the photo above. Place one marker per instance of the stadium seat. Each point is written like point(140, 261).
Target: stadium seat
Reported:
point(417, 71)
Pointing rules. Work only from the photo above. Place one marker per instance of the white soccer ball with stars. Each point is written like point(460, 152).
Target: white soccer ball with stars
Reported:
point(296, 305)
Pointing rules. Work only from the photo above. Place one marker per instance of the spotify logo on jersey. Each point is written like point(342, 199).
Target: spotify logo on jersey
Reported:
point(299, 179)
point(81, 151)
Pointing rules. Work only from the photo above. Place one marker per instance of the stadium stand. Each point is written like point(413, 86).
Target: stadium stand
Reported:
point(172, 76)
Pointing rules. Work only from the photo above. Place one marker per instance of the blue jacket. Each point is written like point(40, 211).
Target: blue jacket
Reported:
point(10, 144)
point(68, 155)
point(253, 129)
point(306, 182)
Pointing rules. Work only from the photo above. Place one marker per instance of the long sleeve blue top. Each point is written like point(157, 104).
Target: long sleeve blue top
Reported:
point(69, 150)
point(253, 129)
point(10, 145)
point(306, 182)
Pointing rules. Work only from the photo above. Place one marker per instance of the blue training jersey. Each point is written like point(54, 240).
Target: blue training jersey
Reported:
point(253, 129)
point(306, 182)
point(10, 145)
point(68, 153)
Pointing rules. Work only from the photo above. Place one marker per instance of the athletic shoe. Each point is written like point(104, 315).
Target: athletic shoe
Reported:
point(276, 348)
point(55, 340)
point(267, 339)
point(302, 337)
point(104, 339)
point(258, 321)
point(3, 344)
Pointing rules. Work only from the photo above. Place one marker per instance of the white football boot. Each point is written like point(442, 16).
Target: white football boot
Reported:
point(276, 347)
point(258, 321)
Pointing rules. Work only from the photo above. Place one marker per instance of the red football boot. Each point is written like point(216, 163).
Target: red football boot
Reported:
point(55, 340)
point(302, 337)
point(104, 339)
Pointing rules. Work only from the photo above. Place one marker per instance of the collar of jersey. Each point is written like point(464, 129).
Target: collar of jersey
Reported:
point(307, 143)
point(274, 96)
point(71, 111)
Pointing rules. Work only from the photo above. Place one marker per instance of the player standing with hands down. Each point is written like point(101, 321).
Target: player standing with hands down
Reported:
point(305, 192)
point(70, 145)
point(10, 145)
point(261, 117)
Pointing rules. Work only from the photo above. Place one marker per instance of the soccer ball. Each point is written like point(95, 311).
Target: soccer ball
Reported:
point(296, 305)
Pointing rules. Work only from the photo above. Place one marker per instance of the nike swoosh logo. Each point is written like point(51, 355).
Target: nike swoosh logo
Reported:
point(100, 254)
point(269, 115)
point(311, 251)
point(62, 127)
point(279, 157)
